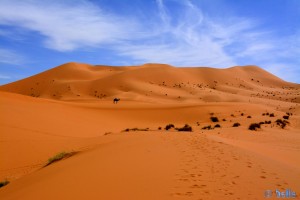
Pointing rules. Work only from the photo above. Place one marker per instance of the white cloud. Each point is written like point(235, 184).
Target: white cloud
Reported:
point(286, 71)
point(4, 77)
point(188, 38)
point(10, 57)
point(66, 27)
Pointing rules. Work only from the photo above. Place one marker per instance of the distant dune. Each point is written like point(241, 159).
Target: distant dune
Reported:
point(123, 151)
point(152, 82)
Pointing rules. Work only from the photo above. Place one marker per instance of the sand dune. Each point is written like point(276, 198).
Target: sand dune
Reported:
point(69, 108)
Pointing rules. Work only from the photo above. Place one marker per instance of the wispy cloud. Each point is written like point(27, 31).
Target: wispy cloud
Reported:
point(10, 57)
point(195, 39)
point(4, 77)
point(189, 37)
point(66, 27)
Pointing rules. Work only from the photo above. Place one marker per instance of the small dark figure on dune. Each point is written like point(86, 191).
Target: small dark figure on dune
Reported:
point(116, 100)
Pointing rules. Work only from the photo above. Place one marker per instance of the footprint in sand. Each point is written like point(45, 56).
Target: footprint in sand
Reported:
point(195, 186)
point(189, 193)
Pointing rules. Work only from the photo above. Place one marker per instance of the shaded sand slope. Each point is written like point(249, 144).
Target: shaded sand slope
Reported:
point(123, 168)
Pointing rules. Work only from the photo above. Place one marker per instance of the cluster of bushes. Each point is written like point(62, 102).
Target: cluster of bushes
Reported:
point(254, 126)
point(186, 127)
point(214, 119)
point(281, 123)
point(207, 127)
point(286, 117)
point(269, 114)
point(236, 124)
point(169, 126)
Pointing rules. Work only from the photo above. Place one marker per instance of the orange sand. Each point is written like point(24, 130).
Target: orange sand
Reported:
point(70, 108)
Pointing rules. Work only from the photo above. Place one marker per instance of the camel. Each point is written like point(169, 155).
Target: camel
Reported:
point(116, 100)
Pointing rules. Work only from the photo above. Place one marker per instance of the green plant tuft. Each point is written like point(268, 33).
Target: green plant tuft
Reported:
point(59, 156)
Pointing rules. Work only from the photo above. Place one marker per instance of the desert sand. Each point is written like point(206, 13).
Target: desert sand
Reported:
point(70, 109)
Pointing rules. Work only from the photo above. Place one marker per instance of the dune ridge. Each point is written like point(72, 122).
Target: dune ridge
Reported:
point(73, 81)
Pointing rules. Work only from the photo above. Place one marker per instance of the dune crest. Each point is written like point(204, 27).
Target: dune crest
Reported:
point(78, 81)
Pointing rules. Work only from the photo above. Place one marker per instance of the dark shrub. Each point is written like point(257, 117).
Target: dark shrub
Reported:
point(254, 126)
point(214, 119)
point(224, 120)
point(169, 126)
point(3, 183)
point(286, 117)
point(185, 128)
point(135, 129)
point(236, 124)
point(272, 115)
point(207, 127)
point(242, 114)
point(261, 123)
point(217, 126)
point(159, 128)
point(281, 123)
point(263, 114)
point(267, 122)
point(249, 116)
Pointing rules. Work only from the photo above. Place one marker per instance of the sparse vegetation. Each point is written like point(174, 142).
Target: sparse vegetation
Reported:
point(135, 129)
point(254, 126)
point(169, 126)
point(217, 126)
point(286, 117)
point(224, 120)
point(214, 119)
point(281, 123)
point(59, 156)
point(4, 183)
point(236, 124)
point(186, 127)
point(207, 127)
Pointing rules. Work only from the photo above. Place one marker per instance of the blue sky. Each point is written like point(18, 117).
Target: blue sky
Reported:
point(38, 35)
